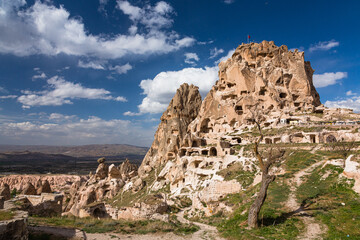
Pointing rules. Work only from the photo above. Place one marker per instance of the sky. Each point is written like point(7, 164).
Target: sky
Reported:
point(103, 71)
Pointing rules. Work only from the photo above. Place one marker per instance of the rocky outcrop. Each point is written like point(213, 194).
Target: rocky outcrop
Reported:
point(102, 170)
point(352, 171)
point(182, 110)
point(5, 191)
point(58, 183)
point(45, 205)
point(114, 172)
point(128, 170)
point(262, 74)
point(29, 189)
point(44, 188)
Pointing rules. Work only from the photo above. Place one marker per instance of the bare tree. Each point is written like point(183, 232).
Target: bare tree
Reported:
point(265, 164)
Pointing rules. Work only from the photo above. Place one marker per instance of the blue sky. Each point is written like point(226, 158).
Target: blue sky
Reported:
point(103, 71)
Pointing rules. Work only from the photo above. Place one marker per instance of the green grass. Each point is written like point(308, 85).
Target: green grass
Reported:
point(297, 160)
point(236, 171)
point(6, 215)
point(334, 202)
point(273, 220)
point(92, 225)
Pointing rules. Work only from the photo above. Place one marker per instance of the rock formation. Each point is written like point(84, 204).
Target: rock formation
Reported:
point(197, 142)
point(5, 191)
point(182, 110)
point(128, 170)
point(262, 74)
point(29, 189)
point(102, 170)
point(44, 188)
point(114, 172)
point(58, 183)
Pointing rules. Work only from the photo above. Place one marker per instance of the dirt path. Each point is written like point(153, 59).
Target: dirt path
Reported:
point(313, 229)
point(205, 232)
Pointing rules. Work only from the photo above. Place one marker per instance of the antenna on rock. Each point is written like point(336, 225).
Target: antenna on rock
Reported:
point(248, 39)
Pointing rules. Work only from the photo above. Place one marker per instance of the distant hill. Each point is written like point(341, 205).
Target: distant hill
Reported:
point(36, 159)
point(94, 150)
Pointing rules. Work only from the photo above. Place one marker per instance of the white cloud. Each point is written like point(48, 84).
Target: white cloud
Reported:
point(191, 58)
point(352, 103)
point(121, 69)
point(61, 117)
point(151, 17)
point(65, 130)
point(205, 42)
point(39, 76)
point(229, 1)
point(45, 29)
point(215, 52)
point(160, 90)
point(62, 92)
point(8, 97)
point(326, 45)
point(226, 57)
point(120, 99)
point(102, 4)
point(327, 79)
point(350, 93)
point(129, 113)
point(101, 65)
point(98, 65)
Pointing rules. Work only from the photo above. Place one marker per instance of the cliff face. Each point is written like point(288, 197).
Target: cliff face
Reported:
point(275, 79)
point(182, 110)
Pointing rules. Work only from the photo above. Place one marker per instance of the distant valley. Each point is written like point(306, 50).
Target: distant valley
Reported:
point(42, 159)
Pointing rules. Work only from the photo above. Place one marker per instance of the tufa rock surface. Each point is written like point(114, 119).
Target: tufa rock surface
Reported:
point(5, 191)
point(263, 74)
point(29, 189)
point(182, 110)
point(102, 170)
point(128, 170)
point(44, 188)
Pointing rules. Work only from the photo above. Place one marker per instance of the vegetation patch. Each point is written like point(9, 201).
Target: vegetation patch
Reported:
point(274, 220)
point(92, 225)
point(333, 201)
point(6, 215)
point(297, 160)
point(236, 171)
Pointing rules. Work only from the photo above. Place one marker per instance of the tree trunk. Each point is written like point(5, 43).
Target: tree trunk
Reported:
point(260, 199)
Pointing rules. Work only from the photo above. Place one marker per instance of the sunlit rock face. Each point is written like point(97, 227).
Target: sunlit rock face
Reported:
point(276, 79)
point(183, 109)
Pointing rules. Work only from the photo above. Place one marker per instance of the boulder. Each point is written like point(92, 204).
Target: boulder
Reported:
point(138, 185)
point(102, 171)
point(101, 160)
point(5, 191)
point(114, 172)
point(29, 189)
